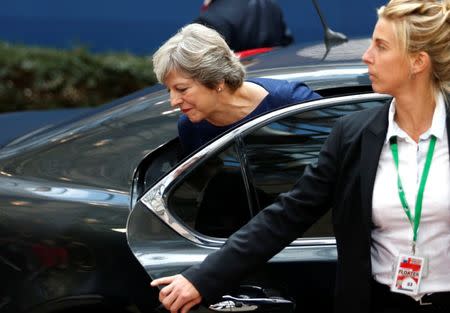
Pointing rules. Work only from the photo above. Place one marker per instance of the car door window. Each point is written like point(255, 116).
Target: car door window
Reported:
point(221, 193)
point(277, 153)
point(212, 199)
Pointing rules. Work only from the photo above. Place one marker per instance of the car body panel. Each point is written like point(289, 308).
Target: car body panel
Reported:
point(165, 245)
point(89, 150)
point(17, 124)
point(66, 193)
point(65, 198)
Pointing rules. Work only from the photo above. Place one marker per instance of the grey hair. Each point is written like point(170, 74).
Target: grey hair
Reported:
point(202, 54)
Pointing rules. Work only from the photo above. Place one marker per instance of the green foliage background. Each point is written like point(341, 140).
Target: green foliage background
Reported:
point(33, 78)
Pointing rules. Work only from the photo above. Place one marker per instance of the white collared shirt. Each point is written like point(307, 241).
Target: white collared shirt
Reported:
point(392, 233)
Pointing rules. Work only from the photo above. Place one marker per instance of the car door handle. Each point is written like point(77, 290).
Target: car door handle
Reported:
point(244, 304)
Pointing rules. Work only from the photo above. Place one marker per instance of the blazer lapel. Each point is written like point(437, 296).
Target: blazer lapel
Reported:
point(372, 142)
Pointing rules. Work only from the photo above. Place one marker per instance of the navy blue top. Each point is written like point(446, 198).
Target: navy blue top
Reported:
point(280, 93)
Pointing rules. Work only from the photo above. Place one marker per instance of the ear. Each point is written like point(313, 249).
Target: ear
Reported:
point(420, 62)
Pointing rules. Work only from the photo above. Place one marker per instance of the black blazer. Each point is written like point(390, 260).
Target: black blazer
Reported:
point(247, 24)
point(343, 180)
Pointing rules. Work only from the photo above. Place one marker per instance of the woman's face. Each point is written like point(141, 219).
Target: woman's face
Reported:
point(193, 98)
point(389, 68)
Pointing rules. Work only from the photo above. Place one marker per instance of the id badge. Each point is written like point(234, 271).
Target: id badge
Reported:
point(408, 274)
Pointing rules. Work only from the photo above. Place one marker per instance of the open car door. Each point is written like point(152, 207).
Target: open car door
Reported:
point(190, 212)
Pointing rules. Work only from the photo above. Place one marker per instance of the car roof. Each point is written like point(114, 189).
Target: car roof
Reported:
point(319, 66)
point(308, 54)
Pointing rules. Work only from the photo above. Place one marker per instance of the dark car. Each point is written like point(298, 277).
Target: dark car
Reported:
point(92, 210)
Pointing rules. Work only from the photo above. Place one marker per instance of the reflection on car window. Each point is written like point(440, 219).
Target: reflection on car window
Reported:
point(216, 199)
point(213, 199)
point(278, 153)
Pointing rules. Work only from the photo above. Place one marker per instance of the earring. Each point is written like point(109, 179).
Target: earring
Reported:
point(219, 89)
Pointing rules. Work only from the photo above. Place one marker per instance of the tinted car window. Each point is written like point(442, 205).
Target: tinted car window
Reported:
point(222, 193)
point(212, 199)
point(278, 153)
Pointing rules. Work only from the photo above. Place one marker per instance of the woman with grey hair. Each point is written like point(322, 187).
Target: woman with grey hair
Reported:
point(207, 82)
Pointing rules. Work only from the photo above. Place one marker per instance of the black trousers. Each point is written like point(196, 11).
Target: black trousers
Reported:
point(386, 301)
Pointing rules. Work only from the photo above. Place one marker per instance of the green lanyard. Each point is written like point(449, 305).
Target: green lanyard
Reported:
point(418, 209)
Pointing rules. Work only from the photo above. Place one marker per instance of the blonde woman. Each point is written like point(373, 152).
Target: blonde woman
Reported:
point(386, 174)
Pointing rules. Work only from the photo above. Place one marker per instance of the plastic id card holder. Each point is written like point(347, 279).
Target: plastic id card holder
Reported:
point(408, 274)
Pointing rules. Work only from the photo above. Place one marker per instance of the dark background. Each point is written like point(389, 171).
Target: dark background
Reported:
point(140, 26)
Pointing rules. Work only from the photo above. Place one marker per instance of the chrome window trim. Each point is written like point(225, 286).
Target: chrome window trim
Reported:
point(314, 74)
point(155, 198)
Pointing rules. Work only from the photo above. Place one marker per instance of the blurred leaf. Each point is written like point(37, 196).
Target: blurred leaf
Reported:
point(33, 78)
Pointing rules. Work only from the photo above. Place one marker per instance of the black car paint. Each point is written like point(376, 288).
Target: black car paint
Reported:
point(65, 195)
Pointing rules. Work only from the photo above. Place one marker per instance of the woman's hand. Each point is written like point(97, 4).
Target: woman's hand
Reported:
point(179, 295)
